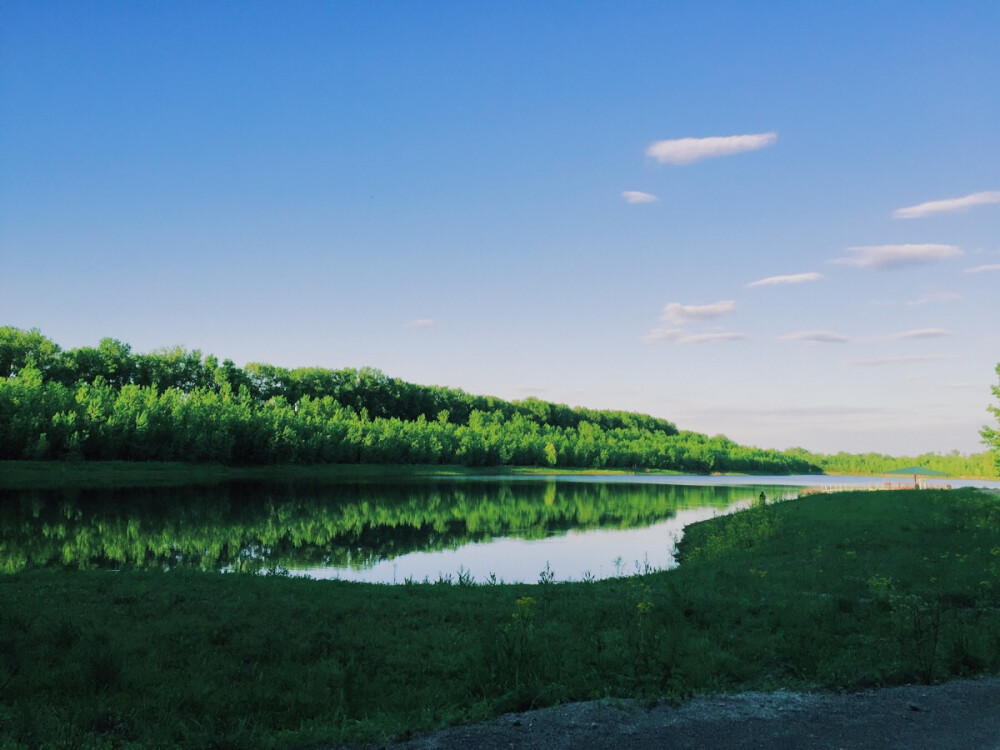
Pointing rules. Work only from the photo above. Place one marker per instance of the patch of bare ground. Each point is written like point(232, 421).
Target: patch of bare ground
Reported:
point(962, 714)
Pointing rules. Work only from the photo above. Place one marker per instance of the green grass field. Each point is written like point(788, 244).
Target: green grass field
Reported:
point(833, 591)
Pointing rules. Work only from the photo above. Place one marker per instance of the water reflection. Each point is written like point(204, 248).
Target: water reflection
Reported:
point(364, 531)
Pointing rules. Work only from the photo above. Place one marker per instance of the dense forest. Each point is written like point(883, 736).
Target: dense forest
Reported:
point(109, 403)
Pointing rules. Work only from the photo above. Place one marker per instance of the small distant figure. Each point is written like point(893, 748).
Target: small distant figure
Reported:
point(762, 498)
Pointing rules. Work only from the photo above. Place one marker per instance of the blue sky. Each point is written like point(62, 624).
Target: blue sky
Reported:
point(777, 222)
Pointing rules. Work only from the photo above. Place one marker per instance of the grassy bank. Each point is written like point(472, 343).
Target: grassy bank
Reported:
point(20, 475)
point(836, 591)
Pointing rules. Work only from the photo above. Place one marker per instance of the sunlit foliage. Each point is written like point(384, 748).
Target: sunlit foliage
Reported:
point(990, 435)
point(111, 404)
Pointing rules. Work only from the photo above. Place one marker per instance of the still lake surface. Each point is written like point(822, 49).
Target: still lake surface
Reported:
point(511, 529)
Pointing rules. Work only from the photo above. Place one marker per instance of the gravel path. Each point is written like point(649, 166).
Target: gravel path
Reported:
point(963, 714)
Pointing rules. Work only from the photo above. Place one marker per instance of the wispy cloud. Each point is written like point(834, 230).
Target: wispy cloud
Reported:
point(419, 323)
point(817, 337)
point(919, 333)
point(795, 278)
point(901, 360)
point(829, 337)
point(934, 297)
point(637, 196)
point(706, 338)
point(678, 336)
point(675, 312)
point(948, 206)
point(984, 269)
point(662, 335)
point(689, 150)
point(896, 256)
point(679, 314)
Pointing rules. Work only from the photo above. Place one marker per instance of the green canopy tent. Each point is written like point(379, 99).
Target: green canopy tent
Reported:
point(916, 472)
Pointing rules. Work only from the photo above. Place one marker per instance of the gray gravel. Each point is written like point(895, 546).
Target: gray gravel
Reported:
point(963, 714)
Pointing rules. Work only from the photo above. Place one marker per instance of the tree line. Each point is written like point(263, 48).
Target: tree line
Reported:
point(110, 403)
point(107, 402)
point(953, 463)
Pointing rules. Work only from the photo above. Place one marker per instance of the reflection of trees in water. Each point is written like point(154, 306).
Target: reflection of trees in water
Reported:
point(255, 526)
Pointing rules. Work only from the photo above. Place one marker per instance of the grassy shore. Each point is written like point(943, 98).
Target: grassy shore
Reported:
point(835, 591)
point(22, 475)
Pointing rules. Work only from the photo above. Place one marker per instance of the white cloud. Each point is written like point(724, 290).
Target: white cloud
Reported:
point(675, 312)
point(817, 337)
point(896, 256)
point(637, 196)
point(704, 338)
point(678, 336)
point(419, 323)
point(829, 337)
point(983, 269)
point(795, 278)
point(920, 333)
point(901, 360)
point(689, 150)
point(950, 205)
point(935, 297)
point(658, 335)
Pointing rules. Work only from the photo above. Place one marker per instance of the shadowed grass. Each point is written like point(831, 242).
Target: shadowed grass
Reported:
point(837, 591)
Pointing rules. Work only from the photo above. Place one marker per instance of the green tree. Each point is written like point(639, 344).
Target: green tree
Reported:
point(19, 349)
point(991, 436)
point(173, 368)
point(111, 360)
point(550, 454)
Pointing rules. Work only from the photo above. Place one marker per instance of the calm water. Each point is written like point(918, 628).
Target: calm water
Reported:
point(510, 529)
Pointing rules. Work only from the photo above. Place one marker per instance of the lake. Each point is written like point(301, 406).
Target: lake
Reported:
point(510, 529)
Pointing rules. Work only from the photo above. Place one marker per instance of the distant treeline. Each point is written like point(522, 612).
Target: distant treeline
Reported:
point(108, 403)
point(954, 464)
